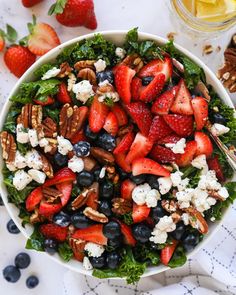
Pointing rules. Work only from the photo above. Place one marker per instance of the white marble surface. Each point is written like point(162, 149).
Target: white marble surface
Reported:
point(150, 16)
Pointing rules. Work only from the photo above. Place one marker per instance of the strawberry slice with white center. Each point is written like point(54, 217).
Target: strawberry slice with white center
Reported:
point(65, 188)
point(111, 124)
point(63, 175)
point(200, 111)
point(125, 143)
point(157, 66)
point(189, 152)
point(140, 147)
point(97, 115)
point(182, 103)
point(123, 78)
point(182, 125)
point(140, 212)
point(204, 144)
point(93, 233)
point(148, 166)
point(149, 92)
point(34, 199)
point(127, 186)
point(159, 129)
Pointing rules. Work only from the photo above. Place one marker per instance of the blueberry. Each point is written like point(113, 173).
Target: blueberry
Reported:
point(218, 118)
point(89, 134)
point(96, 174)
point(152, 181)
point(32, 282)
point(82, 148)
point(113, 260)
point(106, 190)
point(11, 273)
point(179, 231)
point(106, 141)
point(123, 175)
point(50, 246)
point(114, 243)
point(79, 220)
point(141, 232)
point(60, 160)
point(190, 241)
point(157, 212)
point(138, 179)
point(1, 201)
point(62, 219)
point(111, 230)
point(22, 260)
point(98, 262)
point(12, 228)
point(105, 207)
point(147, 80)
point(85, 178)
point(105, 75)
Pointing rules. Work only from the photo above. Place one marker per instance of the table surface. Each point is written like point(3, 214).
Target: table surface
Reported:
point(150, 16)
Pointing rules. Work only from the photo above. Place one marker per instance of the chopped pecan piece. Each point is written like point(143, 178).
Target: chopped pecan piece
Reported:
point(51, 195)
point(8, 146)
point(35, 217)
point(215, 195)
point(102, 155)
point(84, 64)
point(36, 116)
point(88, 74)
point(77, 246)
point(169, 205)
point(95, 215)
point(176, 217)
point(121, 206)
point(81, 199)
point(89, 163)
point(65, 70)
point(202, 89)
point(197, 220)
point(49, 127)
point(47, 167)
point(69, 120)
point(134, 61)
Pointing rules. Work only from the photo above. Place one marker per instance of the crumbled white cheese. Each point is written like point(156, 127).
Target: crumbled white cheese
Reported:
point(223, 193)
point(33, 137)
point(21, 179)
point(178, 182)
point(33, 160)
point(43, 142)
point(100, 65)
point(94, 250)
point(200, 163)
point(71, 81)
point(184, 198)
point(120, 52)
point(159, 233)
point(212, 219)
point(152, 197)
point(185, 218)
point(158, 236)
point(102, 172)
point(64, 145)
point(114, 96)
point(83, 90)
point(37, 176)
point(51, 73)
point(22, 135)
point(11, 167)
point(178, 147)
point(165, 185)
point(219, 129)
point(20, 161)
point(76, 164)
point(201, 200)
point(87, 264)
point(209, 181)
point(140, 192)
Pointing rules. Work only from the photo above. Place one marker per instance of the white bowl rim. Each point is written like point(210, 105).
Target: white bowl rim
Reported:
point(108, 34)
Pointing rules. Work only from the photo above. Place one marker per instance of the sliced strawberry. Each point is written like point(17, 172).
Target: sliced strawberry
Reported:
point(79, 256)
point(136, 86)
point(167, 252)
point(162, 104)
point(65, 188)
point(92, 200)
point(54, 231)
point(111, 124)
point(182, 125)
point(125, 143)
point(30, 3)
point(42, 39)
point(200, 111)
point(63, 175)
point(141, 115)
point(204, 144)
point(149, 92)
point(189, 152)
point(173, 138)
point(78, 136)
point(92, 234)
point(140, 147)
point(157, 66)
point(122, 163)
point(148, 166)
point(45, 101)
point(63, 95)
point(123, 78)
point(127, 233)
point(83, 115)
point(49, 209)
point(159, 129)
point(162, 154)
point(120, 114)
point(127, 186)
point(97, 115)
point(34, 199)
point(140, 212)
point(182, 103)
point(214, 164)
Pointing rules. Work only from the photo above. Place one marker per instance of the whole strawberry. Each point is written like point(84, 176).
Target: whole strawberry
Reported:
point(30, 3)
point(73, 13)
point(18, 59)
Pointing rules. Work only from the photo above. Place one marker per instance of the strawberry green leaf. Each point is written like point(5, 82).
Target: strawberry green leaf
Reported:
point(24, 41)
point(32, 25)
point(11, 34)
point(58, 7)
point(2, 34)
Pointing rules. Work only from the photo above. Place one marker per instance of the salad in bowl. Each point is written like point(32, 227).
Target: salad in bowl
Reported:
point(107, 155)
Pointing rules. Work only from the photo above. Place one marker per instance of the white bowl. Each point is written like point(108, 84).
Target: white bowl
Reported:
point(118, 38)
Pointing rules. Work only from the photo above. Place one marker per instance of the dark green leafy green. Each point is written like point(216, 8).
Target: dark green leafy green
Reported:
point(65, 251)
point(24, 215)
point(23, 148)
point(127, 218)
point(193, 174)
point(109, 102)
point(10, 123)
point(142, 253)
point(75, 191)
point(43, 70)
point(226, 168)
point(35, 241)
point(52, 112)
point(179, 258)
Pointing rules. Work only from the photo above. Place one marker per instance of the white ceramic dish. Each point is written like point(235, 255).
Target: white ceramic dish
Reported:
point(118, 38)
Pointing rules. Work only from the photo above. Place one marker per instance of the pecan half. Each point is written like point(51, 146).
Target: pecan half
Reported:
point(36, 116)
point(121, 206)
point(169, 205)
point(89, 163)
point(81, 199)
point(51, 195)
point(69, 120)
point(88, 74)
point(82, 64)
point(215, 195)
point(95, 215)
point(134, 61)
point(8, 146)
point(49, 127)
point(230, 55)
point(197, 220)
point(77, 246)
point(47, 167)
point(102, 155)
point(24, 117)
point(65, 70)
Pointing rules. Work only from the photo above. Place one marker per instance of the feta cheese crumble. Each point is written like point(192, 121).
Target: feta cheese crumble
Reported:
point(94, 250)
point(64, 145)
point(33, 137)
point(200, 163)
point(165, 184)
point(87, 264)
point(178, 147)
point(100, 65)
point(178, 182)
point(51, 73)
point(76, 164)
point(152, 197)
point(219, 129)
point(22, 135)
point(33, 160)
point(120, 52)
point(184, 198)
point(71, 81)
point(102, 172)
point(140, 192)
point(159, 233)
point(83, 90)
point(37, 176)
point(20, 161)
point(21, 179)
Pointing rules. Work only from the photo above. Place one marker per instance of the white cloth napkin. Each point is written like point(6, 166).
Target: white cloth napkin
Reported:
point(211, 271)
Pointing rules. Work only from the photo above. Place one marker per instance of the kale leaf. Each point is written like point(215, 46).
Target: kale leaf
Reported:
point(179, 258)
point(143, 254)
point(193, 174)
point(10, 123)
point(65, 251)
point(226, 168)
point(35, 241)
point(24, 215)
point(43, 70)
point(127, 218)
point(52, 112)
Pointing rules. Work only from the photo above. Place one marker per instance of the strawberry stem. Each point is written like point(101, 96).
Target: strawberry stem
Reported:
point(58, 7)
